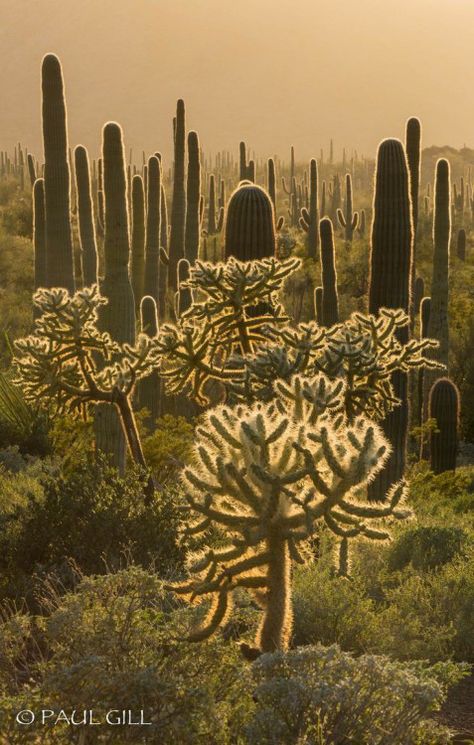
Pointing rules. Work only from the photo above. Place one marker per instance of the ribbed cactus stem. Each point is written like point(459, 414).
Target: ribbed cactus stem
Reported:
point(444, 408)
point(149, 389)
point(461, 245)
point(413, 151)
point(118, 316)
point(86, 217)
point(271, 181)
point(330, 304)
point(390, 286)
point(31, 169)
point(318, 305)
point(242, 162)
point(178, 206)
point(250, 224)
point(211, 211)
point(348, 219)
point(137, 260)
point(313, 232)
point(39, 234)
point(57, 183)
point(153, 221)
point(193, 195)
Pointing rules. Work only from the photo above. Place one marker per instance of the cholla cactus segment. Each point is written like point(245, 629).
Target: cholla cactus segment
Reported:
point(267, 475)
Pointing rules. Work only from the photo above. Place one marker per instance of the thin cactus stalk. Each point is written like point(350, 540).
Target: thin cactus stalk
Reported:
point(137, 261)
point(178, 207)
point(461, 245)
point(318, 305)
point(193, 196)
point(31, 169)
point(149, 388)
point(211, 211)
point(413, 152)
point(310, 217)
point(57, 182)
point(390, 286)
point(330, 303)
point(271, 178)
point(86, 217)
point(444, 408)
point(153, 220)
point(39, 235)
point(118, 316)
point(361, 225)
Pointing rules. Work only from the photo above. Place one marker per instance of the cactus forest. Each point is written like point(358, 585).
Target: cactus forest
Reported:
point(236, 435)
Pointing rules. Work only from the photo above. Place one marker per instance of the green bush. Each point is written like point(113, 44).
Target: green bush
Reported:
point(426, 547)
point(320, 696)
point(17, 217)
point(92, 517)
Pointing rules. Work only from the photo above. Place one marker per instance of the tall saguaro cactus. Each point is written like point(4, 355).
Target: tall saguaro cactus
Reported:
point(413, 151)
point(193, 196)
point(86, 217)
point(390, 285)
point(57, 181)
point(438, 327)
point(178, 205)
point(39, 234)
point(309, 217)
point(118, 316)
point(137, 260)
point(271, 181)
point(329, 303)
point(348, 219)
point(149, 388)
point(153, 219)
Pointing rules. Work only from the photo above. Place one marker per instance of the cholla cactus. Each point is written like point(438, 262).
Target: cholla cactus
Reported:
point(69, 362)
point(267, 475)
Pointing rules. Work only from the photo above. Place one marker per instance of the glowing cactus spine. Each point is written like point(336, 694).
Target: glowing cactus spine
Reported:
point(57, 182)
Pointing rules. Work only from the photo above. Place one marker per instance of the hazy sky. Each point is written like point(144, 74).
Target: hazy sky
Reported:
point(272, 72)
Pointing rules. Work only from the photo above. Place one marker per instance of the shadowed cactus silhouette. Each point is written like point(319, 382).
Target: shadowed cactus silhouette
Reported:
point(348, 220)
point(193, 196)
point(330, 303)
point(137, 258)
point(85, 212)
point(310, 216)
point(178, 203)
point(250, 224)
point(444, 408)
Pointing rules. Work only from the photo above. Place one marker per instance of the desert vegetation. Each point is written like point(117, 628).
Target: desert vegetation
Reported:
point(236, 441)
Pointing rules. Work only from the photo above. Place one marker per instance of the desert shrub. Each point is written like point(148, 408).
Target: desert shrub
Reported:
point(168, 446)
point(446, 498)
point(117, 641)
point(17, 217)
point(426, 547)
point(92, 516)
point(320, 696)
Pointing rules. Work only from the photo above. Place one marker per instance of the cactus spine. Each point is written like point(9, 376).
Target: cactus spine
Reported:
point(57, 182)
point(86, 217)
point(178, 207)
point(193, 195)
point(137, 260)
point(153, 220)
point(444, 407)
point(330, 305)
point(349, 220)
point(250, 224)
point(118, 316)
point(390, 286)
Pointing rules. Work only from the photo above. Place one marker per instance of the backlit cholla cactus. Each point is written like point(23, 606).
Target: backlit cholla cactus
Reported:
point(68, 362)
point(268, 476)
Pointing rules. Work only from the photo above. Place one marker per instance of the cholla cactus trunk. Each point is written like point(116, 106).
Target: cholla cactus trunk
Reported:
point(178, 206)
point(271, 181)
point(439, 321)
point(250, 224)
point(444, 408)
point(211, 211)
point(57, 182)
point(330, 304)
point(275, 629)
point(413, 151)
point(118, 316)
point(86, 217)
point(149, 388)
point(137, 261)
point(390, 287)
point(348, 219)
point(153, 221)
point(193, 195)
point(39, 237)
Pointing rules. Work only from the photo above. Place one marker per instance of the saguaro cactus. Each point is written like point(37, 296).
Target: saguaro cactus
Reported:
point(193, 195)
point(310, 217)
point(118, 316)
point(137, 261)
point(349, 220)
point(390, 285)
point(153, 220)
point(271, 181)
point(461, 245)
point(413, 151)
point(86, 217)
point(149, 389)
point(39, 234)
point(439, 322)
point(444, 408)
point(57, 182)
point(318, 305)
point(330, 306)
point(178, 206)
point(250, 224)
